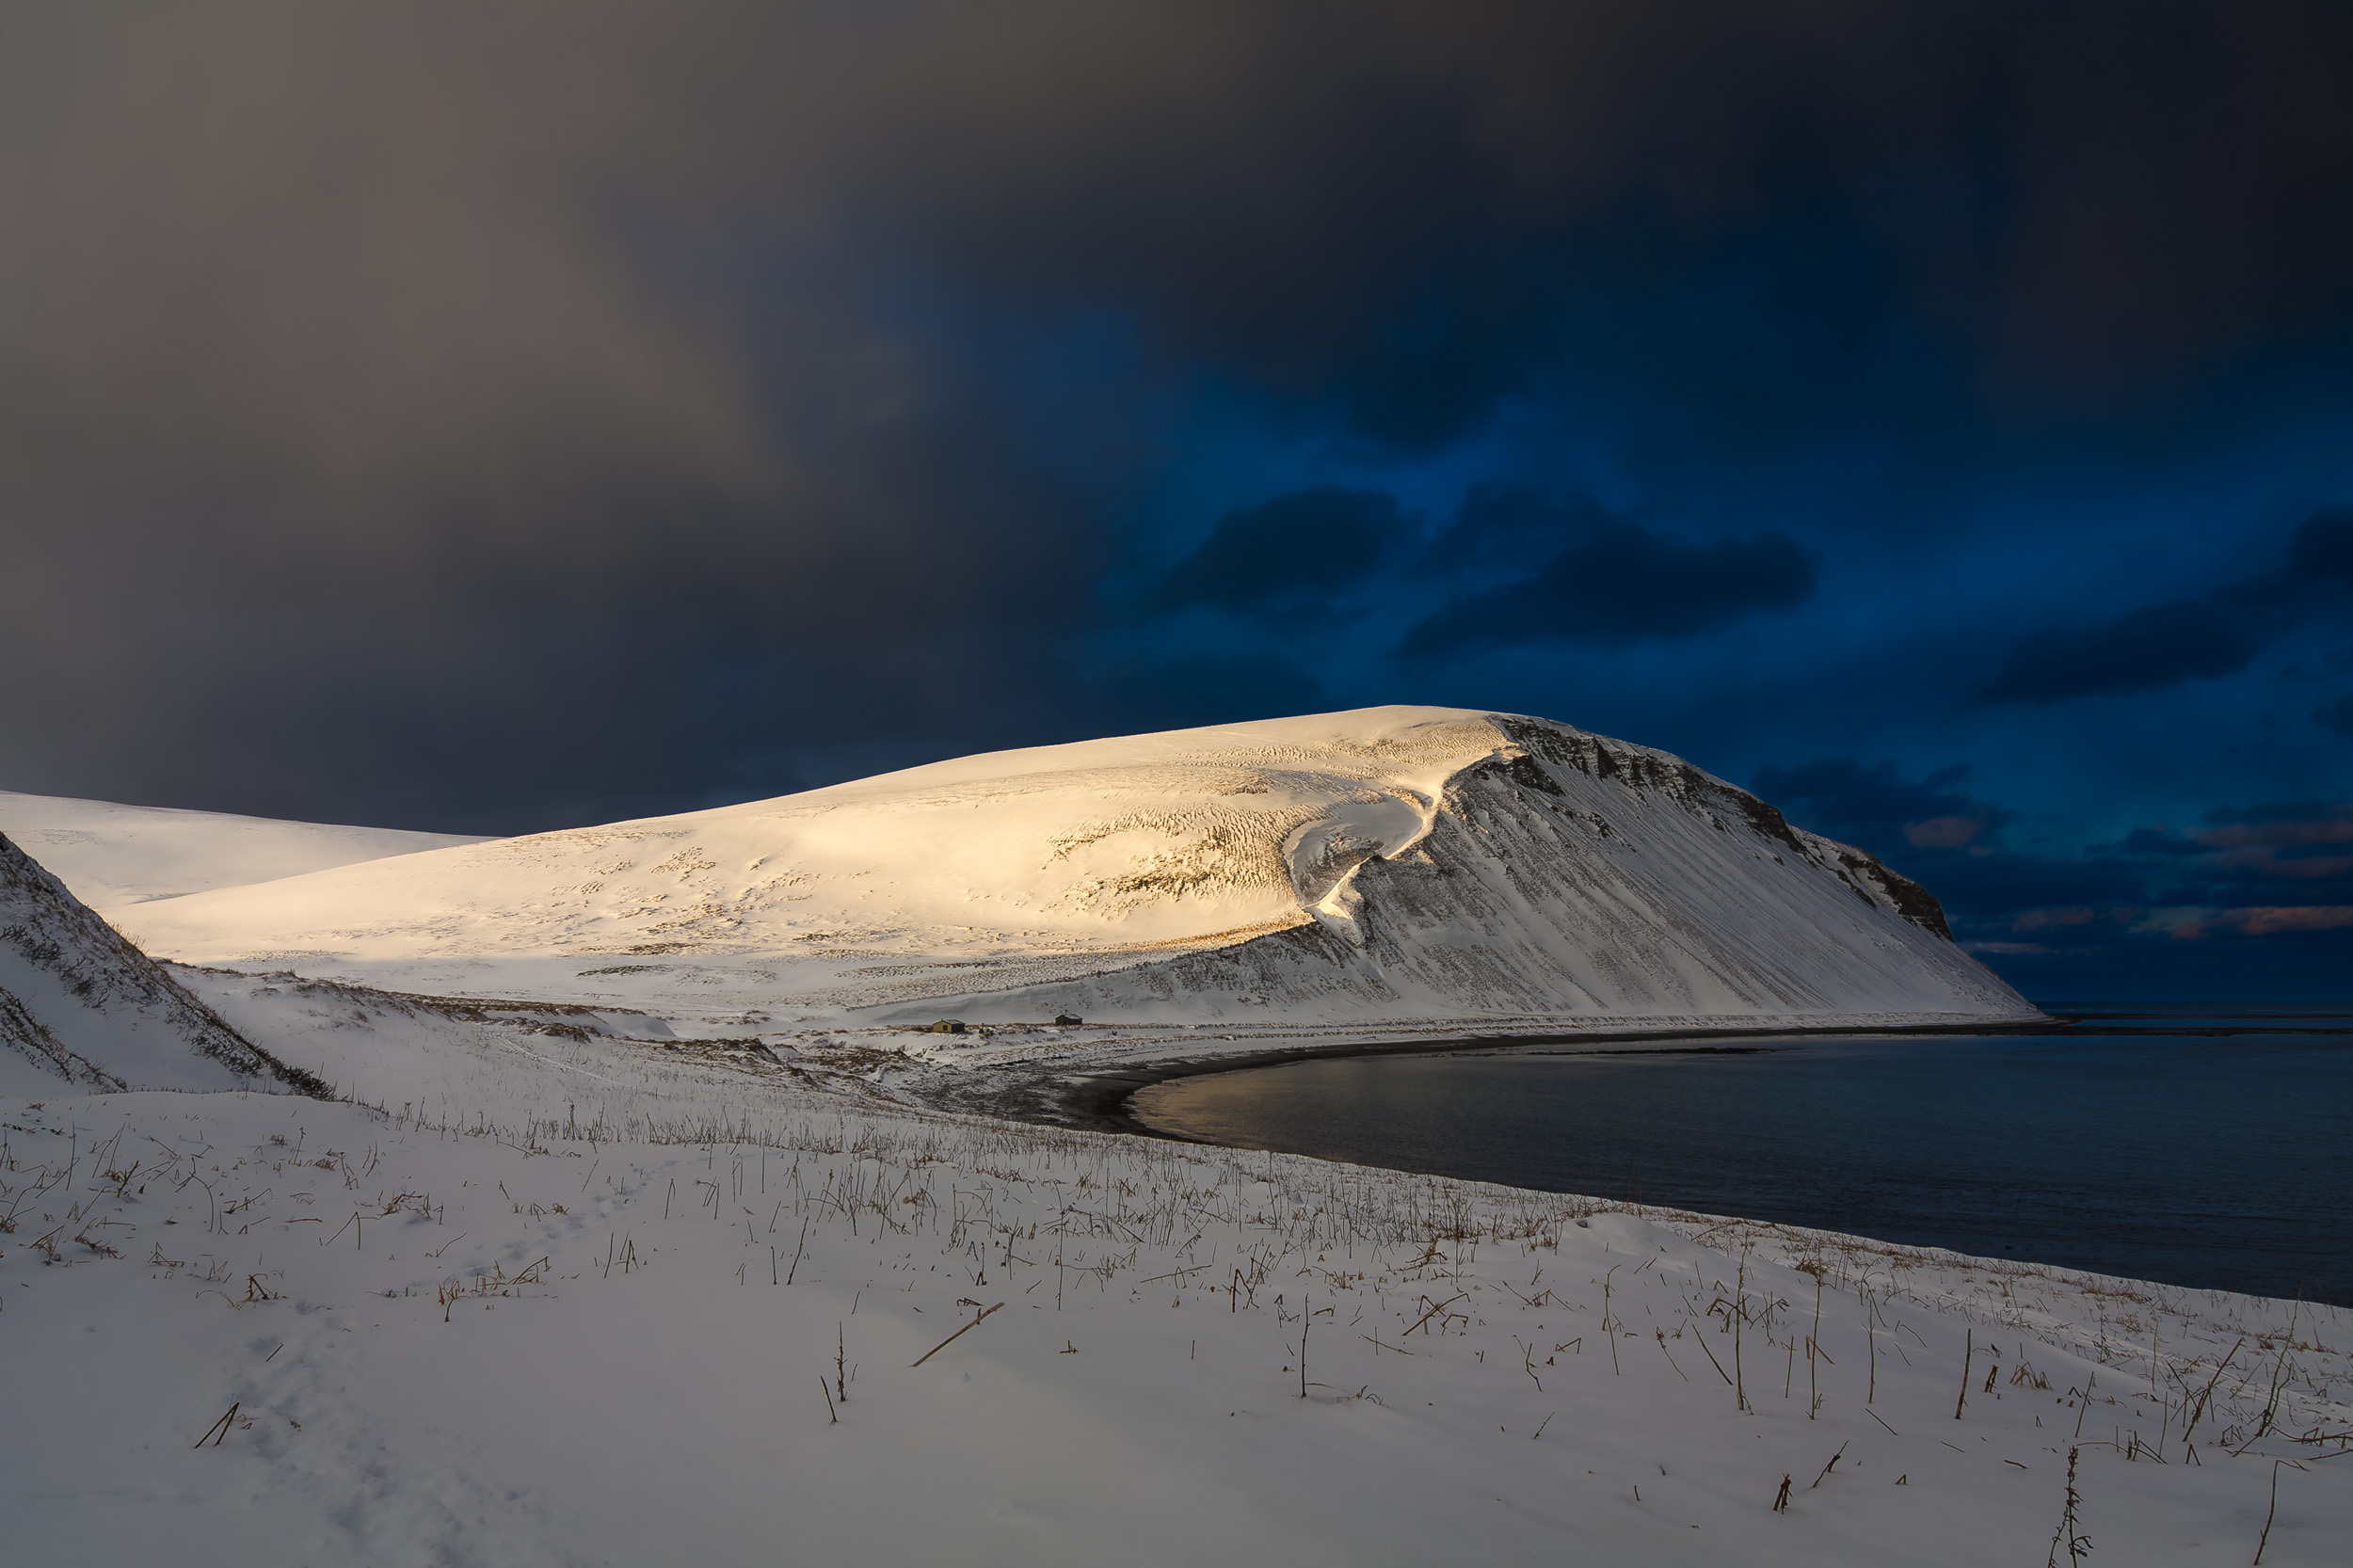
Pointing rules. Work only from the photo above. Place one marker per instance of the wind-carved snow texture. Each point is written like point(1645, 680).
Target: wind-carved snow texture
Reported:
point(1385, 865)
point(80, 1003)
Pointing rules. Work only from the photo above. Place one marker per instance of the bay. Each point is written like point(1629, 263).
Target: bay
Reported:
point(2211, 1152)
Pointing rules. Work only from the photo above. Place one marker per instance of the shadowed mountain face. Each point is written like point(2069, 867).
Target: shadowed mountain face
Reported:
point(78, 1003)
point(1384, 863)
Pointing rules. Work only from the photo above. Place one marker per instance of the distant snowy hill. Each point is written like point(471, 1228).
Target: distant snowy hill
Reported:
point(81, 1006)
point(113, 855)
point(1388, 863)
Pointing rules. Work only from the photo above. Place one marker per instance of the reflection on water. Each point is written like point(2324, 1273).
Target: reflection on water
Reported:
point(2221, 1159)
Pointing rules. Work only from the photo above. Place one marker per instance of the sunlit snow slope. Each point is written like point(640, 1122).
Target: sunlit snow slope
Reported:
point(112, 854)
point(1384, 863)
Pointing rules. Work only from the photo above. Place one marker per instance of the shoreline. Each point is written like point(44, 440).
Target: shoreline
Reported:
point(1101, 1100)
point(1104, 1101)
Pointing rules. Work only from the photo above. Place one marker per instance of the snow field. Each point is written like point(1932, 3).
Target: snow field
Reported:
point(112, 854)
point(539, 1333)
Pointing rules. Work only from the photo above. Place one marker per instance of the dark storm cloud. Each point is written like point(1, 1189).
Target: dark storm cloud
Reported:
point(2161, 646)
point(1183, 694)
point(1599, 579)
point(1385, 203)
point(2142, 650)
point(1501, 529)
point(484, 417)
point(2257, 903)
point(2301, 850)
point(2272, 875)
point(1295, 546)
point(2322, 550)
point(1877, 808)
point(1511, 566)
point(2293, 854)
point(1933, 829)
point(390, 430)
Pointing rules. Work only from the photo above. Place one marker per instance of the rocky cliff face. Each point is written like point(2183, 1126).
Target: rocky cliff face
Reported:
point(80, 1003)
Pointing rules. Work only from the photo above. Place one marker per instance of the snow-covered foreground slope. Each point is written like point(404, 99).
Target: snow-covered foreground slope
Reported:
point(571, 1301)
point(79, 1006)
point(113, 855)
point(1385, 865)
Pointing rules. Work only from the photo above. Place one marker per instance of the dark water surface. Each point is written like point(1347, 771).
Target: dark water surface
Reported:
point(2220, 1160)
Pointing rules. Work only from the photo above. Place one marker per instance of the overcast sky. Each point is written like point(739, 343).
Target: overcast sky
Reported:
point(1935, 416)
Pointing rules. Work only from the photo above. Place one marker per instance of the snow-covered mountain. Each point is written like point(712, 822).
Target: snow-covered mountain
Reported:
point(1387, 863)
point(77, 1002)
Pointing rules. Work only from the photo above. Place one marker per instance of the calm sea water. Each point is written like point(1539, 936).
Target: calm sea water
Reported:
point(2219, 1161)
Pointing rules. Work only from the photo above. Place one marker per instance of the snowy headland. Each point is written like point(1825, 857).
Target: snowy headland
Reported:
point(1391, 867)
point(603, 1254)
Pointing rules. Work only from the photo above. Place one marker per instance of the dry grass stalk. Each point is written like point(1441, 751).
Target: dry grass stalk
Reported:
point(220, 1427)
point(2070, 1536)
point(953, 1338)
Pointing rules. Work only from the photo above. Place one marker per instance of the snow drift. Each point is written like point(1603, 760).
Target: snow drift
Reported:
point(1387, 863)
point(78, 1003)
